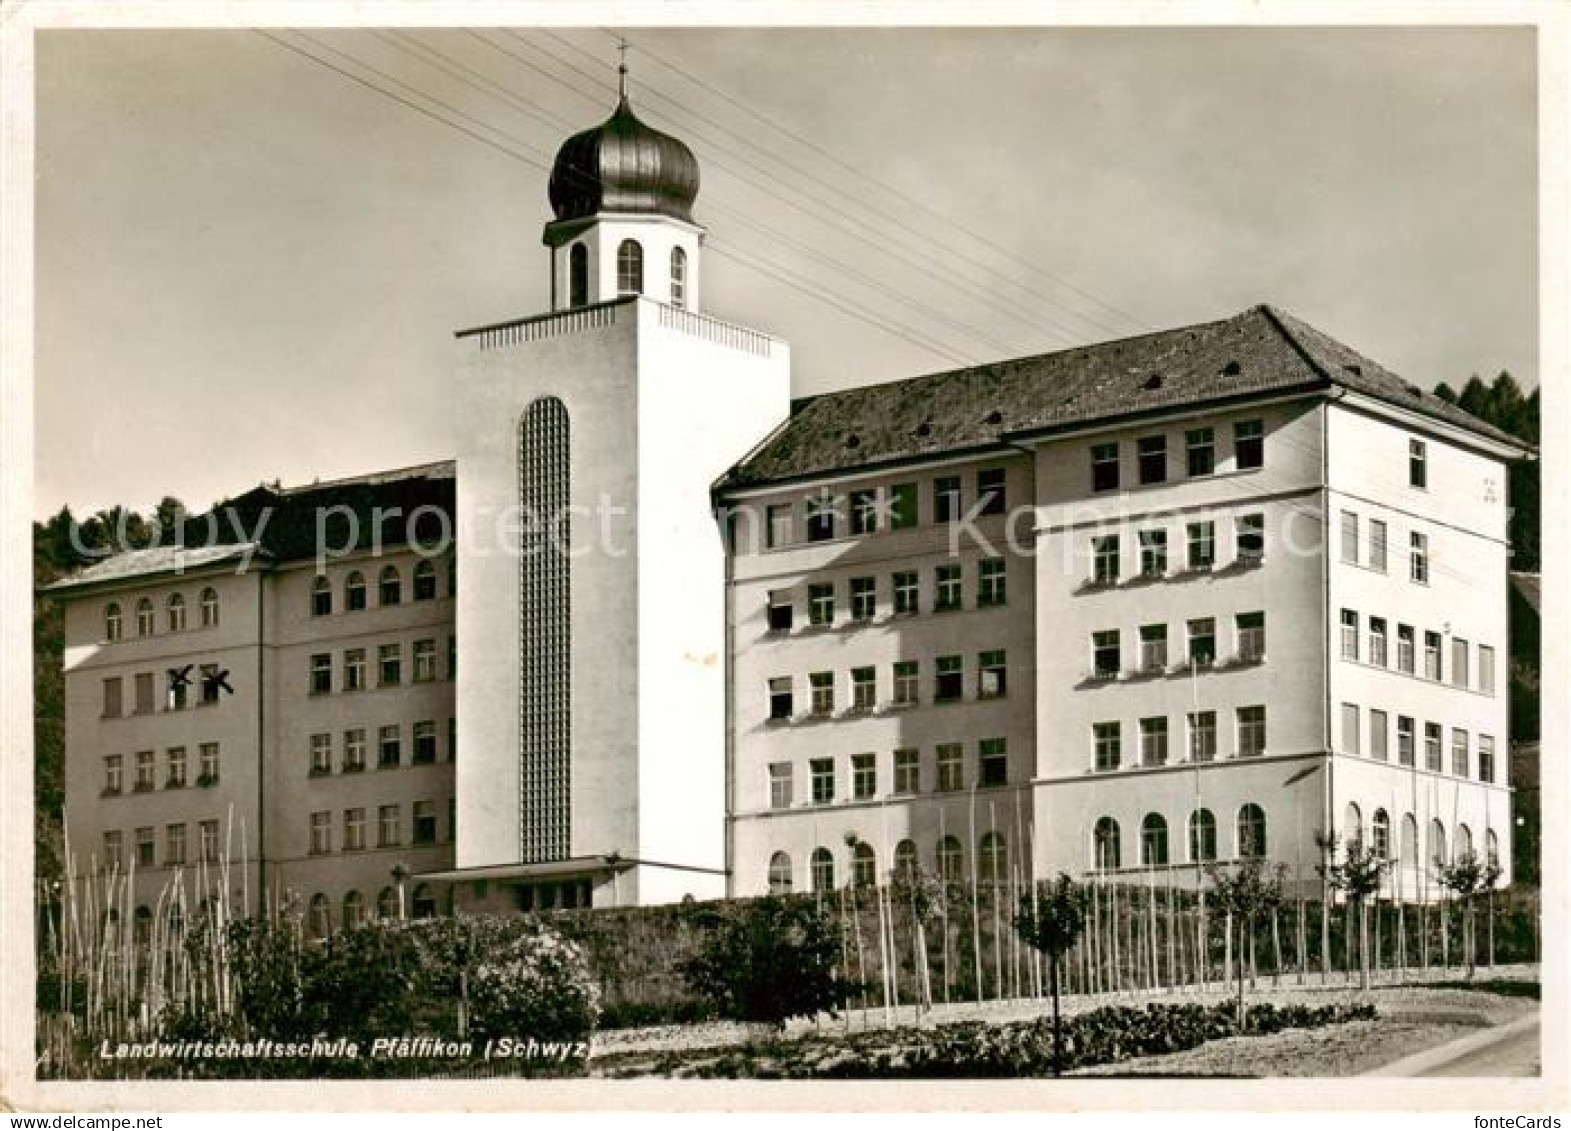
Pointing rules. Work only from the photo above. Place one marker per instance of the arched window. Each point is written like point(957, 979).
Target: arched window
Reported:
point(1202, 836)
point(1380, 833)
point(321, 597)
point(209, 608)
point(1352, 824)
point(387, 903)
point(823, 867)
point(425, 581)
point(390, 587)
point(176, 609)
point(354, 591)
point(1251, 831)
point(1409, 841)
point(354, 910)
point(905, 860)
point(780, 874)
point(578, 275)
point(864, 865)
point(1464, 842)
point(144, 617)
point(993, 859)
point(1437, 844)
point(1105, 849)
point(678, 277)
point(320, 920)
point(1153, 841)
point(422, 905)
point(112, 625)
point(630, 268)
point(951, 863)
point(1491, 848)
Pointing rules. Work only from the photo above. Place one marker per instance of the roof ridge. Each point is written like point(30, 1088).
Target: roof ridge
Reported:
point(370, 478)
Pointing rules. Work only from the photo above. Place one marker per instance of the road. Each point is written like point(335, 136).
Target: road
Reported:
point(1516, 1054)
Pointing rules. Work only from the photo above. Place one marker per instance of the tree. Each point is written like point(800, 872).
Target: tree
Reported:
point(1469, 876)
point(1050, 920)
point(1357, 877)
point(1247, 891)
point(767, 960)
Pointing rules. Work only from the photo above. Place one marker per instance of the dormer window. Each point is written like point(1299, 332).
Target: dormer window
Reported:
point(578, 275)
point(678, 277)
point(630, 268)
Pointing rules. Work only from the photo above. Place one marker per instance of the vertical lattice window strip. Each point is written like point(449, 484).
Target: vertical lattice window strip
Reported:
point(545, 621)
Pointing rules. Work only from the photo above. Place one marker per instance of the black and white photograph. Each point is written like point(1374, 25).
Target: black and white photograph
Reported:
point(799, 558)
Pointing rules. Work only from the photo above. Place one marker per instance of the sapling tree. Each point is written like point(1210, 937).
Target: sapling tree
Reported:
point(1469, 876)
point(1051, 920)
point(1357, 877)
point(1247, 891)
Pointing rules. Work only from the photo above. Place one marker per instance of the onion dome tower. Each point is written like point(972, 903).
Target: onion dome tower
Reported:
point(622, 197)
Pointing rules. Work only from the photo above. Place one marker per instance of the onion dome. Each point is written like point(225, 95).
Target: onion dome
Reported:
point(623, 165)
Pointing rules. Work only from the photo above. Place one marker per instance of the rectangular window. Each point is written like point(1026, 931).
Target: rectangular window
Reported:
point(1432, 656)
point(1404, 648)
point(902, 506)
point(452, 656)
point(1105, 653)
point(389, 665)
point(1418, 559)
point(864, 689)
point(1486, 669)
point(144, 693)
point(208, 833)
point(1377, 545)
point(821, 516)
point(452, 740)
point(864, 776)
point(1460, 655)
point(1251, 628)
point(908, 771)
point(1251, 731)
point(778, 517)
point(1152, 452)
point(990, 490)
point(906, 589)
point(950, 757)
point(1417, 464)
point(1201, 446)
point(990, 588)
point(949, 582)
point(423, 823)
point(907, 690)
point(780, 610)
point(1349, 634)
point(821, 689)
point(820, 604)
point(1486, 758)
point(1350, 737)
point(1153, 742)
point(1104, 467)
point(1104, 559)
point(321, 754)
point(387, 747)
point(112, 703)
point(145, 847)
point(1459, 765)
point(780, 698)
point(354, 830)
point(1377, 641)
point(823, 772)
point(1153, 553)
point(780, 785)
point(864, 511)
point(1249, 444)
point(1350, 537)
point(990, 677)
point(425, 661)
point(1202, 736)
point(354, 750)
point(864, 598)
point(211, 683)
point(1107, 745)
point(1202, 544)
point(1404, 740)
point(1153, 648)
point(946, 498)
point(114, 773)
point(174, 845)
point(1378, 736)
point(354, 669)
point(1250, 532)
point(146, 771)
point(177, 692)
point(425, 743)
point(388, 833)
point(950, 683)
point(112, 843)
point(993, 761)
point(1432, 747)
point(1201, 633)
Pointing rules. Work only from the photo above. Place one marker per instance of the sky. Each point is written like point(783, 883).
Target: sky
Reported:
point(250, 264)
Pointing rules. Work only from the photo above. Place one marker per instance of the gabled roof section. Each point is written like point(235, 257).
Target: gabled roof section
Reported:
point(1260, 352)
point(154, 561)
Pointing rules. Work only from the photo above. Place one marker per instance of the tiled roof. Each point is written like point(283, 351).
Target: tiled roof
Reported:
point(1259, 352)
point(155, 560)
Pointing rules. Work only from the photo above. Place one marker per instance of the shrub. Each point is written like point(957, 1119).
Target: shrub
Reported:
point(535, 985)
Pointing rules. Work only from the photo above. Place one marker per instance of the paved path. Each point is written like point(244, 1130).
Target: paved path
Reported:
point(1504, 1050)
